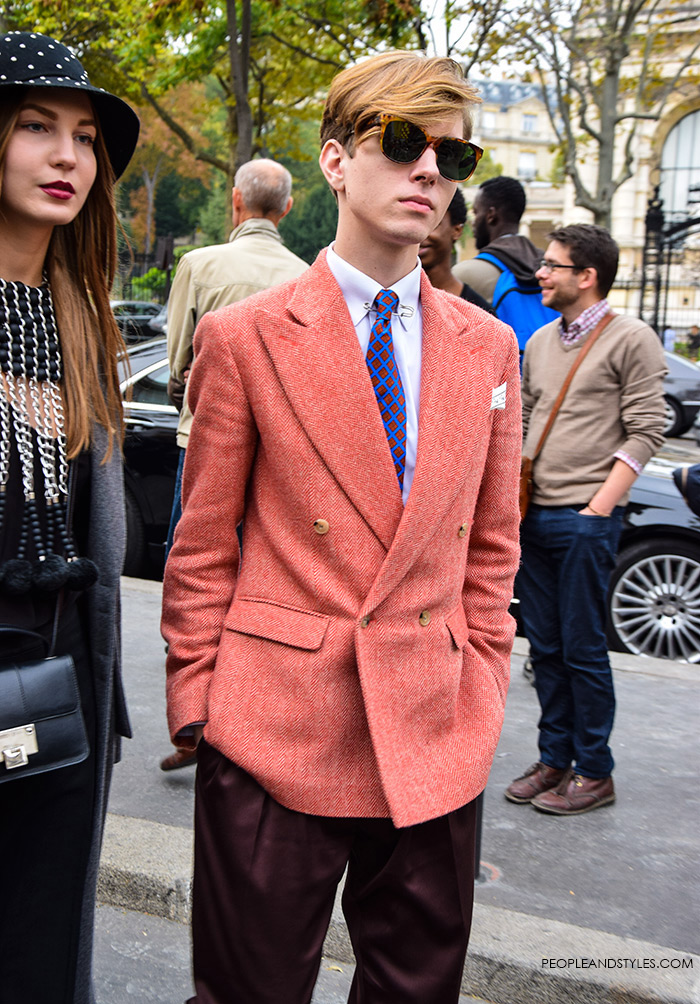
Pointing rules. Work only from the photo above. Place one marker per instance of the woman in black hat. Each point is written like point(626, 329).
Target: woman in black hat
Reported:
point(62, 144)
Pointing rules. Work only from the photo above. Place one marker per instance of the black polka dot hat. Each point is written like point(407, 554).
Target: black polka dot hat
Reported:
point(28, 59)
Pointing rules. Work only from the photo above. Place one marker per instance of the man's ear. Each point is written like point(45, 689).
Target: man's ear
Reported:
point(331, 161)
point(290, 203)
point(588, 278)
point(457, 229)
point(236, 206)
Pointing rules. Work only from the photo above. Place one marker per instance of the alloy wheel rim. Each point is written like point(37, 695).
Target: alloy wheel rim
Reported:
point(655, 607)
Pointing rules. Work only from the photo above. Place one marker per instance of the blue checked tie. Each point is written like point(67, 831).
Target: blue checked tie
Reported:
point(384, 374)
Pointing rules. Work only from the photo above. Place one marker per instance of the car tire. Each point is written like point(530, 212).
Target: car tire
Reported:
point(654, 600)
point(135, 557)
point(675, 424)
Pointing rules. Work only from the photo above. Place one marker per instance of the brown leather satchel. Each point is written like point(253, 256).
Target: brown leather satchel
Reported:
point(527, 463)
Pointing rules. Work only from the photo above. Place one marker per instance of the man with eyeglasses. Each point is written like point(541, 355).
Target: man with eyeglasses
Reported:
point(609, 426)
point(351, 669)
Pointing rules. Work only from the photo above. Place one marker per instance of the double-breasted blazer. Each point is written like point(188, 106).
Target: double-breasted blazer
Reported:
point(355, 660)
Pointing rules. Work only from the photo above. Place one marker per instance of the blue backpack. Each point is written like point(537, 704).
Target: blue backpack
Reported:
point(518, 303)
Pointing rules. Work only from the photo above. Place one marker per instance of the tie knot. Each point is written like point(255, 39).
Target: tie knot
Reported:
point(386, 301)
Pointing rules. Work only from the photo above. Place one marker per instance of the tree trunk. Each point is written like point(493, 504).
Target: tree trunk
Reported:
point(239, 56)
point(150, 182)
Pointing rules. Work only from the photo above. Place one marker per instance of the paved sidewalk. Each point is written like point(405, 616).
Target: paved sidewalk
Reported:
point(147, 960)
point(597, 909)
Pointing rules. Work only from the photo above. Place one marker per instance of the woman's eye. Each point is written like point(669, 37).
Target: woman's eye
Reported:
point(86, 138)
point(33, 126)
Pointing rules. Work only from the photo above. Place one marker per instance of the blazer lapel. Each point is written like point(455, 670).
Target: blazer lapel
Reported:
point(455, 393)
point(318, 360)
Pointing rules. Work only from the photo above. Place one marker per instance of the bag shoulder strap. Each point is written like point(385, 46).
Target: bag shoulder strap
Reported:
point(492, 260)
point(569, 377)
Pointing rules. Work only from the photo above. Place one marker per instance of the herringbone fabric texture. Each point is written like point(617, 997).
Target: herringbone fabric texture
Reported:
point(309, 660)
point(386, 379)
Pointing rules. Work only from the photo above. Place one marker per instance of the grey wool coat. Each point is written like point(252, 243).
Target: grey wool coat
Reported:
point(106, 546)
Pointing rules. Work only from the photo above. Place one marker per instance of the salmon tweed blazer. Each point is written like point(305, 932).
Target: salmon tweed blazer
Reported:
point(355, 660)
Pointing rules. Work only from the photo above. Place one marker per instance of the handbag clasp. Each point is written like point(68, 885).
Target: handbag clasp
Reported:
point(17, 745)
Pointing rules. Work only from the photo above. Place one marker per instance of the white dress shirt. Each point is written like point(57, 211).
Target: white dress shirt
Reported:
point(359, 292)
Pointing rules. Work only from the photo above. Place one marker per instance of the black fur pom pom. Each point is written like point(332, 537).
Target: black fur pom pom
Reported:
point(17, 577)
point(82, 573)
point(50, 573)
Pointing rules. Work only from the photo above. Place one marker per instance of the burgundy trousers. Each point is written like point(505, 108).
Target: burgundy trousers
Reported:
point(265, 880)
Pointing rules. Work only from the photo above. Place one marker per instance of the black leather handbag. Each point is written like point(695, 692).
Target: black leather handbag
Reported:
point(41, 722)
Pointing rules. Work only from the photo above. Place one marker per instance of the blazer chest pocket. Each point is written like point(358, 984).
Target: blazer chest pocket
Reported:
point(277, 622)
point(456, 624)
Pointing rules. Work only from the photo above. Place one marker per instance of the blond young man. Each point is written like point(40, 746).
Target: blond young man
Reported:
point(351, 669)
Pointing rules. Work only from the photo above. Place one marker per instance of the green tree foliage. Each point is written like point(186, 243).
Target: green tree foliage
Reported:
point(215, 216)
point(312, 222)
point(266, 63)
point(178, 204)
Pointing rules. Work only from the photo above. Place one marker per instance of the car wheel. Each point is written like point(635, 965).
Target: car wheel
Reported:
point(654, 600)
point(135, 537)
point(675, 424)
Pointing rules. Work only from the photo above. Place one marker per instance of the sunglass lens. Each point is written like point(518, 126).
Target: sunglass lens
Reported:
point(402, 142)
point(456, 161)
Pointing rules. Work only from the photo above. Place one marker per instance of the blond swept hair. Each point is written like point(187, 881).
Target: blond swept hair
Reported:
point(418, 88)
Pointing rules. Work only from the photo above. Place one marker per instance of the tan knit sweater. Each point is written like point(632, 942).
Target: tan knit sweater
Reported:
point(615, 402)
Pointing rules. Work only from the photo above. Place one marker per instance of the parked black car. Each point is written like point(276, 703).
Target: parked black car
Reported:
point(150, 456)
point(681, 394)
point(159, 324)
point(133, 318)
point(654, 597)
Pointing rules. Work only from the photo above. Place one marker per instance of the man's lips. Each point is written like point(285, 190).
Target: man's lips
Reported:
point(423, 204)
point(59, 189)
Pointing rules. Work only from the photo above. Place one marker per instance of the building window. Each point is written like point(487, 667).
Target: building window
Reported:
point(680, 166)
point(488, 120)
point(527, 165)
point(529, 123)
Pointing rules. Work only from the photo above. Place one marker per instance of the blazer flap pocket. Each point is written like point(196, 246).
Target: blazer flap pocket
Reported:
point(276, 622)
point(456, 624)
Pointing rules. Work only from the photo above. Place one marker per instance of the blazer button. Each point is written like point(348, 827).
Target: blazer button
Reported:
point(321, 526)
point(462, 532)
point(365, 622)
point(424, 618)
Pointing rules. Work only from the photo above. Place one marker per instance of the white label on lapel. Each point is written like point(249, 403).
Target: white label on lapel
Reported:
point(498, 397)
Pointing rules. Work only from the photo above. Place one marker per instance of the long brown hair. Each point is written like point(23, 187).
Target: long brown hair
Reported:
point(81, 262)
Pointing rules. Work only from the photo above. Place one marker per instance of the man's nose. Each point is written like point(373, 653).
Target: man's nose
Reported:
point(426, 166)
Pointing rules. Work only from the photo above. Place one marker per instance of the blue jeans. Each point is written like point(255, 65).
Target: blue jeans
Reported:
point(177, 504)
point(562, 585)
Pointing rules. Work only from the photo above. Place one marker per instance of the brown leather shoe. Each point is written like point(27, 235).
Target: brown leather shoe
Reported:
point(180, 758)
point(576, 794)
point(536, 779)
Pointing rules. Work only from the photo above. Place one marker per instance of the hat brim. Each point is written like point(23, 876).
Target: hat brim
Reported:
point(119, 123)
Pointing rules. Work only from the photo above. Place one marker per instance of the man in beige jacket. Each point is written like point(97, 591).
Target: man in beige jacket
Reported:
point(211, 277)
point(608, 427)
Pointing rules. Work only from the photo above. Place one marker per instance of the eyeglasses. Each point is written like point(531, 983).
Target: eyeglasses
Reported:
point(403, 143)
point(549, 266)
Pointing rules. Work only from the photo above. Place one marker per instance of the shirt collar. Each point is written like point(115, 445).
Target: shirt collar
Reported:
point(584, 323)
point(359, 290)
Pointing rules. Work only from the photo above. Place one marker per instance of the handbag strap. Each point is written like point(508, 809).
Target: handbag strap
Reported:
point(8, 629)
point(49, 646)
point(569, 377)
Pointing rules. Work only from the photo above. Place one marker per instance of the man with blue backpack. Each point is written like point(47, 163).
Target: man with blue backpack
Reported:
point(503, 272)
